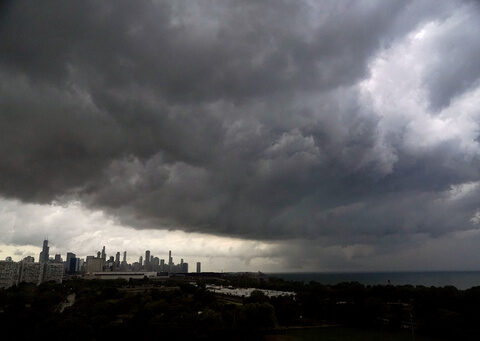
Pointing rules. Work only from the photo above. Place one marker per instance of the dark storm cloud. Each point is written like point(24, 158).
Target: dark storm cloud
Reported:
point(201, 51)
point(236, 118)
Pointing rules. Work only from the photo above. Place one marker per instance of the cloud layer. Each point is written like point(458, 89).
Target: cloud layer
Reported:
point(353, 125)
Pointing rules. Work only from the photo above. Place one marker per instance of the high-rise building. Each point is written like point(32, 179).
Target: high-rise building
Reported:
point(104, 255)
point(94, 264)
point(8, 273)
point(155, 263)
point(58, 258)
point(117, 260)
point(74, 265)
point(184, 267)
point(147, 257)
point(140, 260)
point(32, 272)
point(124, 256)
point(44, 254)
point(71, 264)
point(170, 259)
point(28, 259)
point(53, 272)
point(70, 255)
point(162, 265)
point(199, 267)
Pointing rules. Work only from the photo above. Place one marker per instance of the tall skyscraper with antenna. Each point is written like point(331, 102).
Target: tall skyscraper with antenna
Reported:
point(44, 255)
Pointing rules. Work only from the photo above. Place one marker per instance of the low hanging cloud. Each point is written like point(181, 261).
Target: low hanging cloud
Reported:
point(351, 124)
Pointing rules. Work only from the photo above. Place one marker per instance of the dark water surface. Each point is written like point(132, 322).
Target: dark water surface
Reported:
point(460, 279)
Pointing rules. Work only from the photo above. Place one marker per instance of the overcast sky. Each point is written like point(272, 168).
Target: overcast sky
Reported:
point(249, 135)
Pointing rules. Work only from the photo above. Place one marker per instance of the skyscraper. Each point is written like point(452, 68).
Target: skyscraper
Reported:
point(155, 264)
point(104, 255)
point(147, 257)
point(44, 255)
point(71, 263)
point(140, 260)
point(170, 260)
point(199, 267)
point(117, 259)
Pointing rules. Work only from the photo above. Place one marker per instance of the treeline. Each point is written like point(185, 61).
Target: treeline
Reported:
point(105, 310)
point(441, 312)
point(178, 310)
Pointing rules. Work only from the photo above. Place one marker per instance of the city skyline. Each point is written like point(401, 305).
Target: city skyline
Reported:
point(101, 266)
point(104, 254)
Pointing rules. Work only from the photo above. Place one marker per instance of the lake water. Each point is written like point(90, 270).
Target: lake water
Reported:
point(460, 279)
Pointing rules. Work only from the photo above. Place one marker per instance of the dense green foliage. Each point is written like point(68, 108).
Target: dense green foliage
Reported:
point(178, 310)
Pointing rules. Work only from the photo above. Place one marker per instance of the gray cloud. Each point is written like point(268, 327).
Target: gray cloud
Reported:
point(245, 119)
point(458, 69)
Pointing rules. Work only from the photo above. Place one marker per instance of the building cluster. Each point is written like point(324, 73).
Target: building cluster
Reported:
point(27, 270)
point(98, 266)
point(102, 263)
